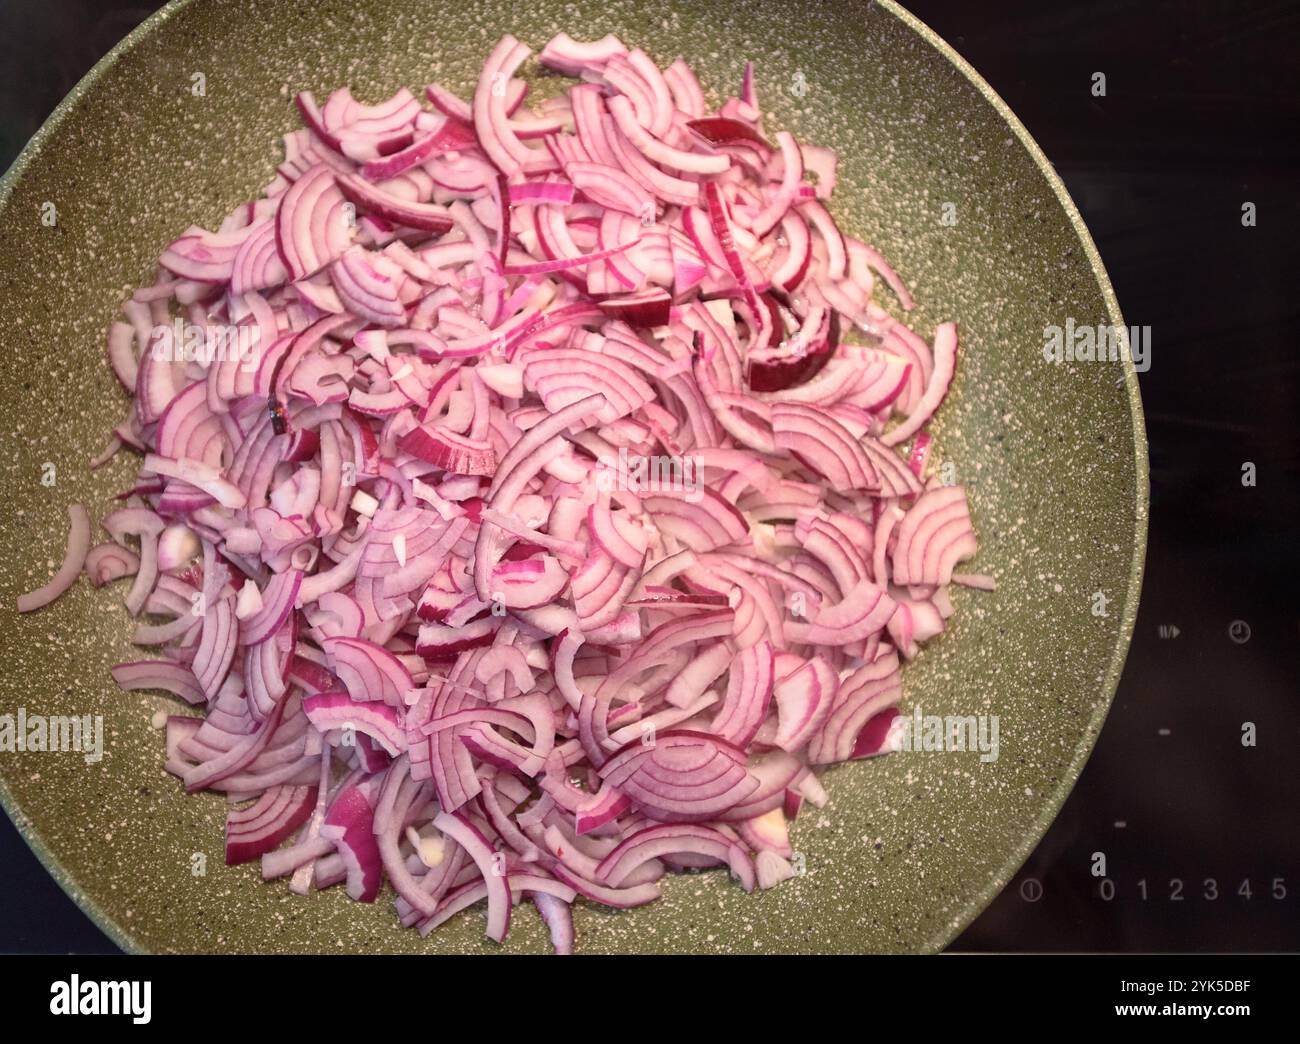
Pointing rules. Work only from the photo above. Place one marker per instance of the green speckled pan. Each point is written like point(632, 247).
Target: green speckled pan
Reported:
point(914, 845)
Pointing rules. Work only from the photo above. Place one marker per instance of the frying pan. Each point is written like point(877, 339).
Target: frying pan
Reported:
point(936, 172)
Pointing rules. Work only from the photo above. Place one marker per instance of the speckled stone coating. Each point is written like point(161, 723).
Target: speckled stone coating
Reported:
point(913, 845)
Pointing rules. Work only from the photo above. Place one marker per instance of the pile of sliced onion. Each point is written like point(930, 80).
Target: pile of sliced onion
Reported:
point(441, 630)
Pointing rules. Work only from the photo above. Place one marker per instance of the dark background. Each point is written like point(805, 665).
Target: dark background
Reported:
point(1202, 114)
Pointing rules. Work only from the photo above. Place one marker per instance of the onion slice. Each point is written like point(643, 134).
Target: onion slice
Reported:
point(74, 558)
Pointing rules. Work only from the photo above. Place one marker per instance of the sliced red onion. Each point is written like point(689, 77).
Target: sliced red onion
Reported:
point(610, 187)
point(426, 216)
point(862, 696)
point(682, 776)
point(572, 58)
point(121, 354)
point(412, 531)
point(350, 825)
point(803, 701)
point(491, 120)
point(771, 869)
point(263, 825)
point(768, 833)
point(449, 451)
point(74, 559)
point(606, 895)
point(673, 839)
point(448, 135)
point(649, 308)
point(544, 191)
point(312, 227)
point(369, 286)
point(723, 130)
point(203, 476)
point(945, 365)
point(108, 562)
point(919, 455)
point(863, 611)
point(490, 864)
point(171, 677)
point(277, 602)
point(368, 670)
point(749, 691)
point(202, 256)
point(703, 524)
point(658, 151)
point(934, 535)
point(329, 711)
point(978, 581)
point(824, 444)
point(217, 645)
point(558, 916)
point(564, 263)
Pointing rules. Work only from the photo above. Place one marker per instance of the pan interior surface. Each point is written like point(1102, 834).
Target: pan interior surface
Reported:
point(935, 172)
